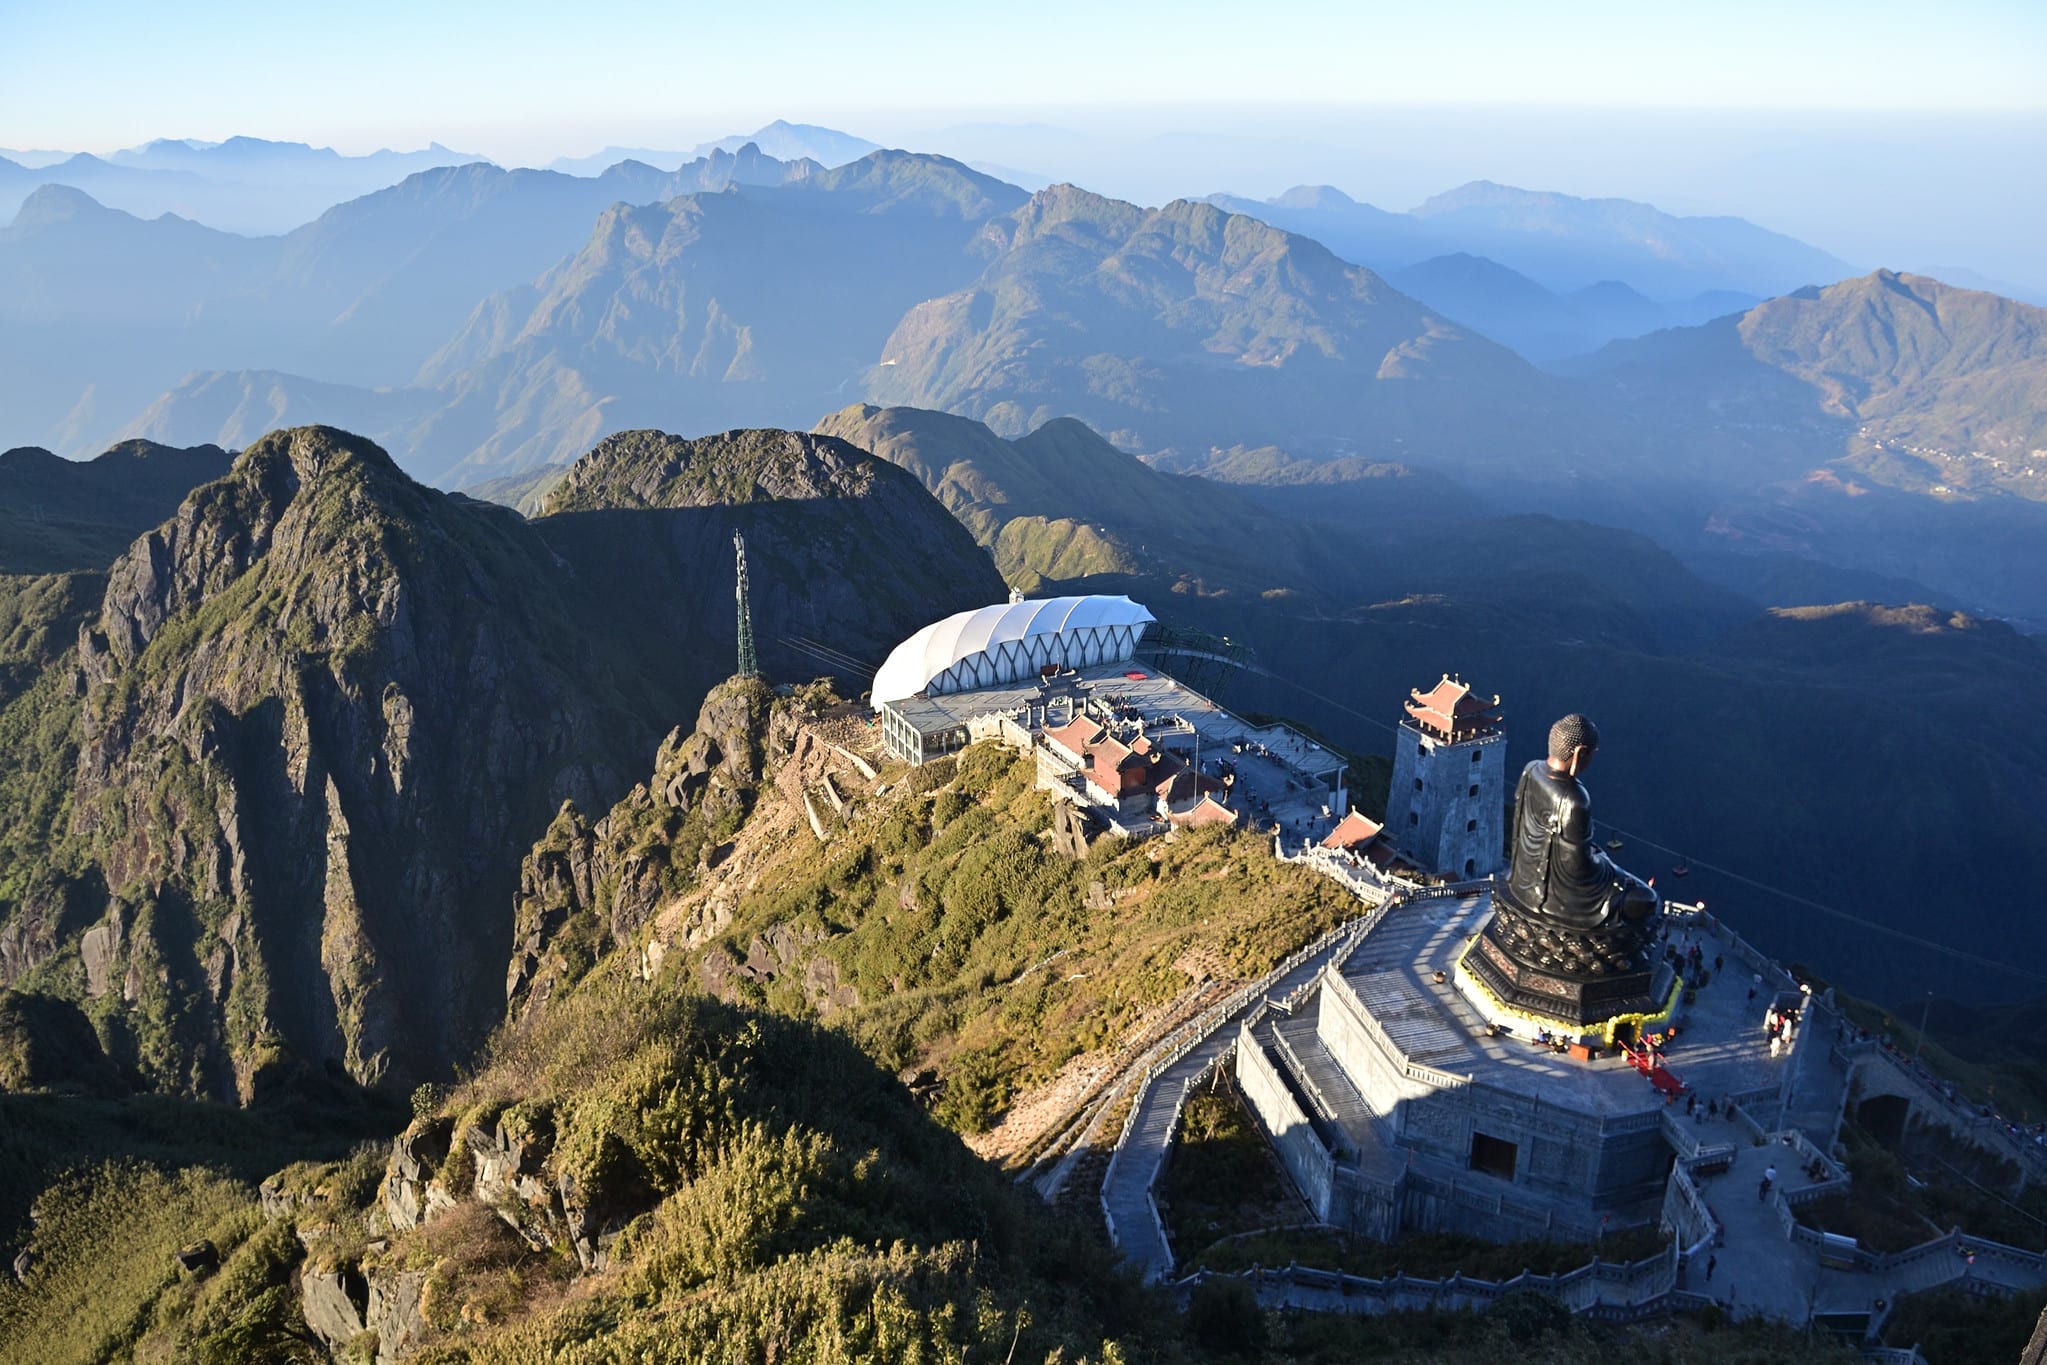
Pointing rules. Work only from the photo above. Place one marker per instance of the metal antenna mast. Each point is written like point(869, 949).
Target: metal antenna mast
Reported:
point(749, 664)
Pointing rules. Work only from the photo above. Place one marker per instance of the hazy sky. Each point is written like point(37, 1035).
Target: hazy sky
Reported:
point(527, 81)
point(1909, 135)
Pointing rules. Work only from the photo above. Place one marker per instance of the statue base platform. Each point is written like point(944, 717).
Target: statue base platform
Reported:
point(1580, 980)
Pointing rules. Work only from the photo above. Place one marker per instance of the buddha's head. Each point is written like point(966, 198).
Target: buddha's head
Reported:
point(1572, 742)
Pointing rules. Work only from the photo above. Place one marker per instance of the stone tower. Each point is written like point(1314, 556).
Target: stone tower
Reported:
point(1446, 810)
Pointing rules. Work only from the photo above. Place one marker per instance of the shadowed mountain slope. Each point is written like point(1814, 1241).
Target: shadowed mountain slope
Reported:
point(324, 709)
point(57, 515)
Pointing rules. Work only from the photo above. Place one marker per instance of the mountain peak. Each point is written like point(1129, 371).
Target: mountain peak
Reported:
point(642, 469)
point(1315, 197)
point(1483, 194)
point(52, 204)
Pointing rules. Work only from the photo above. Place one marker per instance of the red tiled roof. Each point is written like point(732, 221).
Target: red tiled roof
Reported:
point(1450, 709)
point(1351, 831)
point(1076, 736)
point(1206, 811)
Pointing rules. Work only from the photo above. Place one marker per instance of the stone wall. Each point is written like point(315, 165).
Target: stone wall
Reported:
point(1359, 1046)
point(1300, 1147)
point(1368, 1207)
point(1603, 1289)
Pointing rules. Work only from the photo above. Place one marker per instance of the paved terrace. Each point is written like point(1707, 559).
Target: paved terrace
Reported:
point(1758, 1267)
point(1720, 1049)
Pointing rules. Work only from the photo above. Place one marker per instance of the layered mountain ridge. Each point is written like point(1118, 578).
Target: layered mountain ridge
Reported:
point(314, 718)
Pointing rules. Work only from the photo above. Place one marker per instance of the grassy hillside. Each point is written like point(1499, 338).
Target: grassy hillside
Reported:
point(633, 1170)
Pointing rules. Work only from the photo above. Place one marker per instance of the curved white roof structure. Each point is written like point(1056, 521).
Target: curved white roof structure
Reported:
point(1009, 642)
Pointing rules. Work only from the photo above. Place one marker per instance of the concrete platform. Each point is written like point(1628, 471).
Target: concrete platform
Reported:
point(1407, 1112)
point(1720, 1049)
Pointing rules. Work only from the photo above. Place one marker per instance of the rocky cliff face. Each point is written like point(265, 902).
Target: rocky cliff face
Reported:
point(588, 888)
point(279, 791)
point(322, 705)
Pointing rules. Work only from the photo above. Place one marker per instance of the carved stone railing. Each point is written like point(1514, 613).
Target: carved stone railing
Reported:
point(1603, 1289)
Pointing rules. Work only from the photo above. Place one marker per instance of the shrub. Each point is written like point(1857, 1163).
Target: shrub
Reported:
point(1223, 1316)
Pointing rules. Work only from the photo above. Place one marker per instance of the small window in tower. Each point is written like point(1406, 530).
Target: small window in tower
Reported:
point(1474, 790)
point(1477, 754)
point(1421, 751)
point(1471, 826)
point(1417, 784)
point(1414, 817)
point(1470, 867)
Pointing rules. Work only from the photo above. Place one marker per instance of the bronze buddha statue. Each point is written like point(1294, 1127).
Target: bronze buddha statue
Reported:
point(1570, 937)
point(1558, 873)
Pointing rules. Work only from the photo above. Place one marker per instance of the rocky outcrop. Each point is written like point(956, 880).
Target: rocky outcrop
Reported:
point(335, 1303)
point(1072, 829)
point(506, 1163)
point(412, 1193)
point(586, 889)
point(321, 713)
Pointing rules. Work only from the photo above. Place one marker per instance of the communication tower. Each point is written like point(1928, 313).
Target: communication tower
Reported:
point(749, 663)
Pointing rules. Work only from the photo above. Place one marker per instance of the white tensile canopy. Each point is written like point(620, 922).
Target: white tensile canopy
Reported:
point(1010, 642)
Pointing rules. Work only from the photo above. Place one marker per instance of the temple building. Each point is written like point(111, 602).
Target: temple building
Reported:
point(1143, 753)
point(1404, 1094)
point(1446, 807)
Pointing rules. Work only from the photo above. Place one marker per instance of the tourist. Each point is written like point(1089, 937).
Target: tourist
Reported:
point(1769, 1179)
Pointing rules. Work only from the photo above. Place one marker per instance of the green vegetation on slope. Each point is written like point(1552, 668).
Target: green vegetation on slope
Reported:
point(282, 760)
point(796, 1202)
point(974, 952)
point(1224, 1180)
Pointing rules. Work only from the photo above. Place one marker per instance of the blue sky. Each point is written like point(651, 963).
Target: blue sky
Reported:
point(524, 81)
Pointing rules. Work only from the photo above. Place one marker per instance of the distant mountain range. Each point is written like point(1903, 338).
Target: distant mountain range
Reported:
point(481, 323)
point(781, 139)
point(706, 311)
point(1891, 424)
point(1540, 324)
point(1563, 243)
point(101, 312)
point(244, 184)
point(1186, 327)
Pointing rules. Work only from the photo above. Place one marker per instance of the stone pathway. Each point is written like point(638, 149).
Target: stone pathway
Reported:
point(1126, 1193)
point(1760, 1269)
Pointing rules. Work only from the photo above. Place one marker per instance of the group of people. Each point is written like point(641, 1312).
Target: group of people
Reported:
point(1689, 958)
point(1778, 1025)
